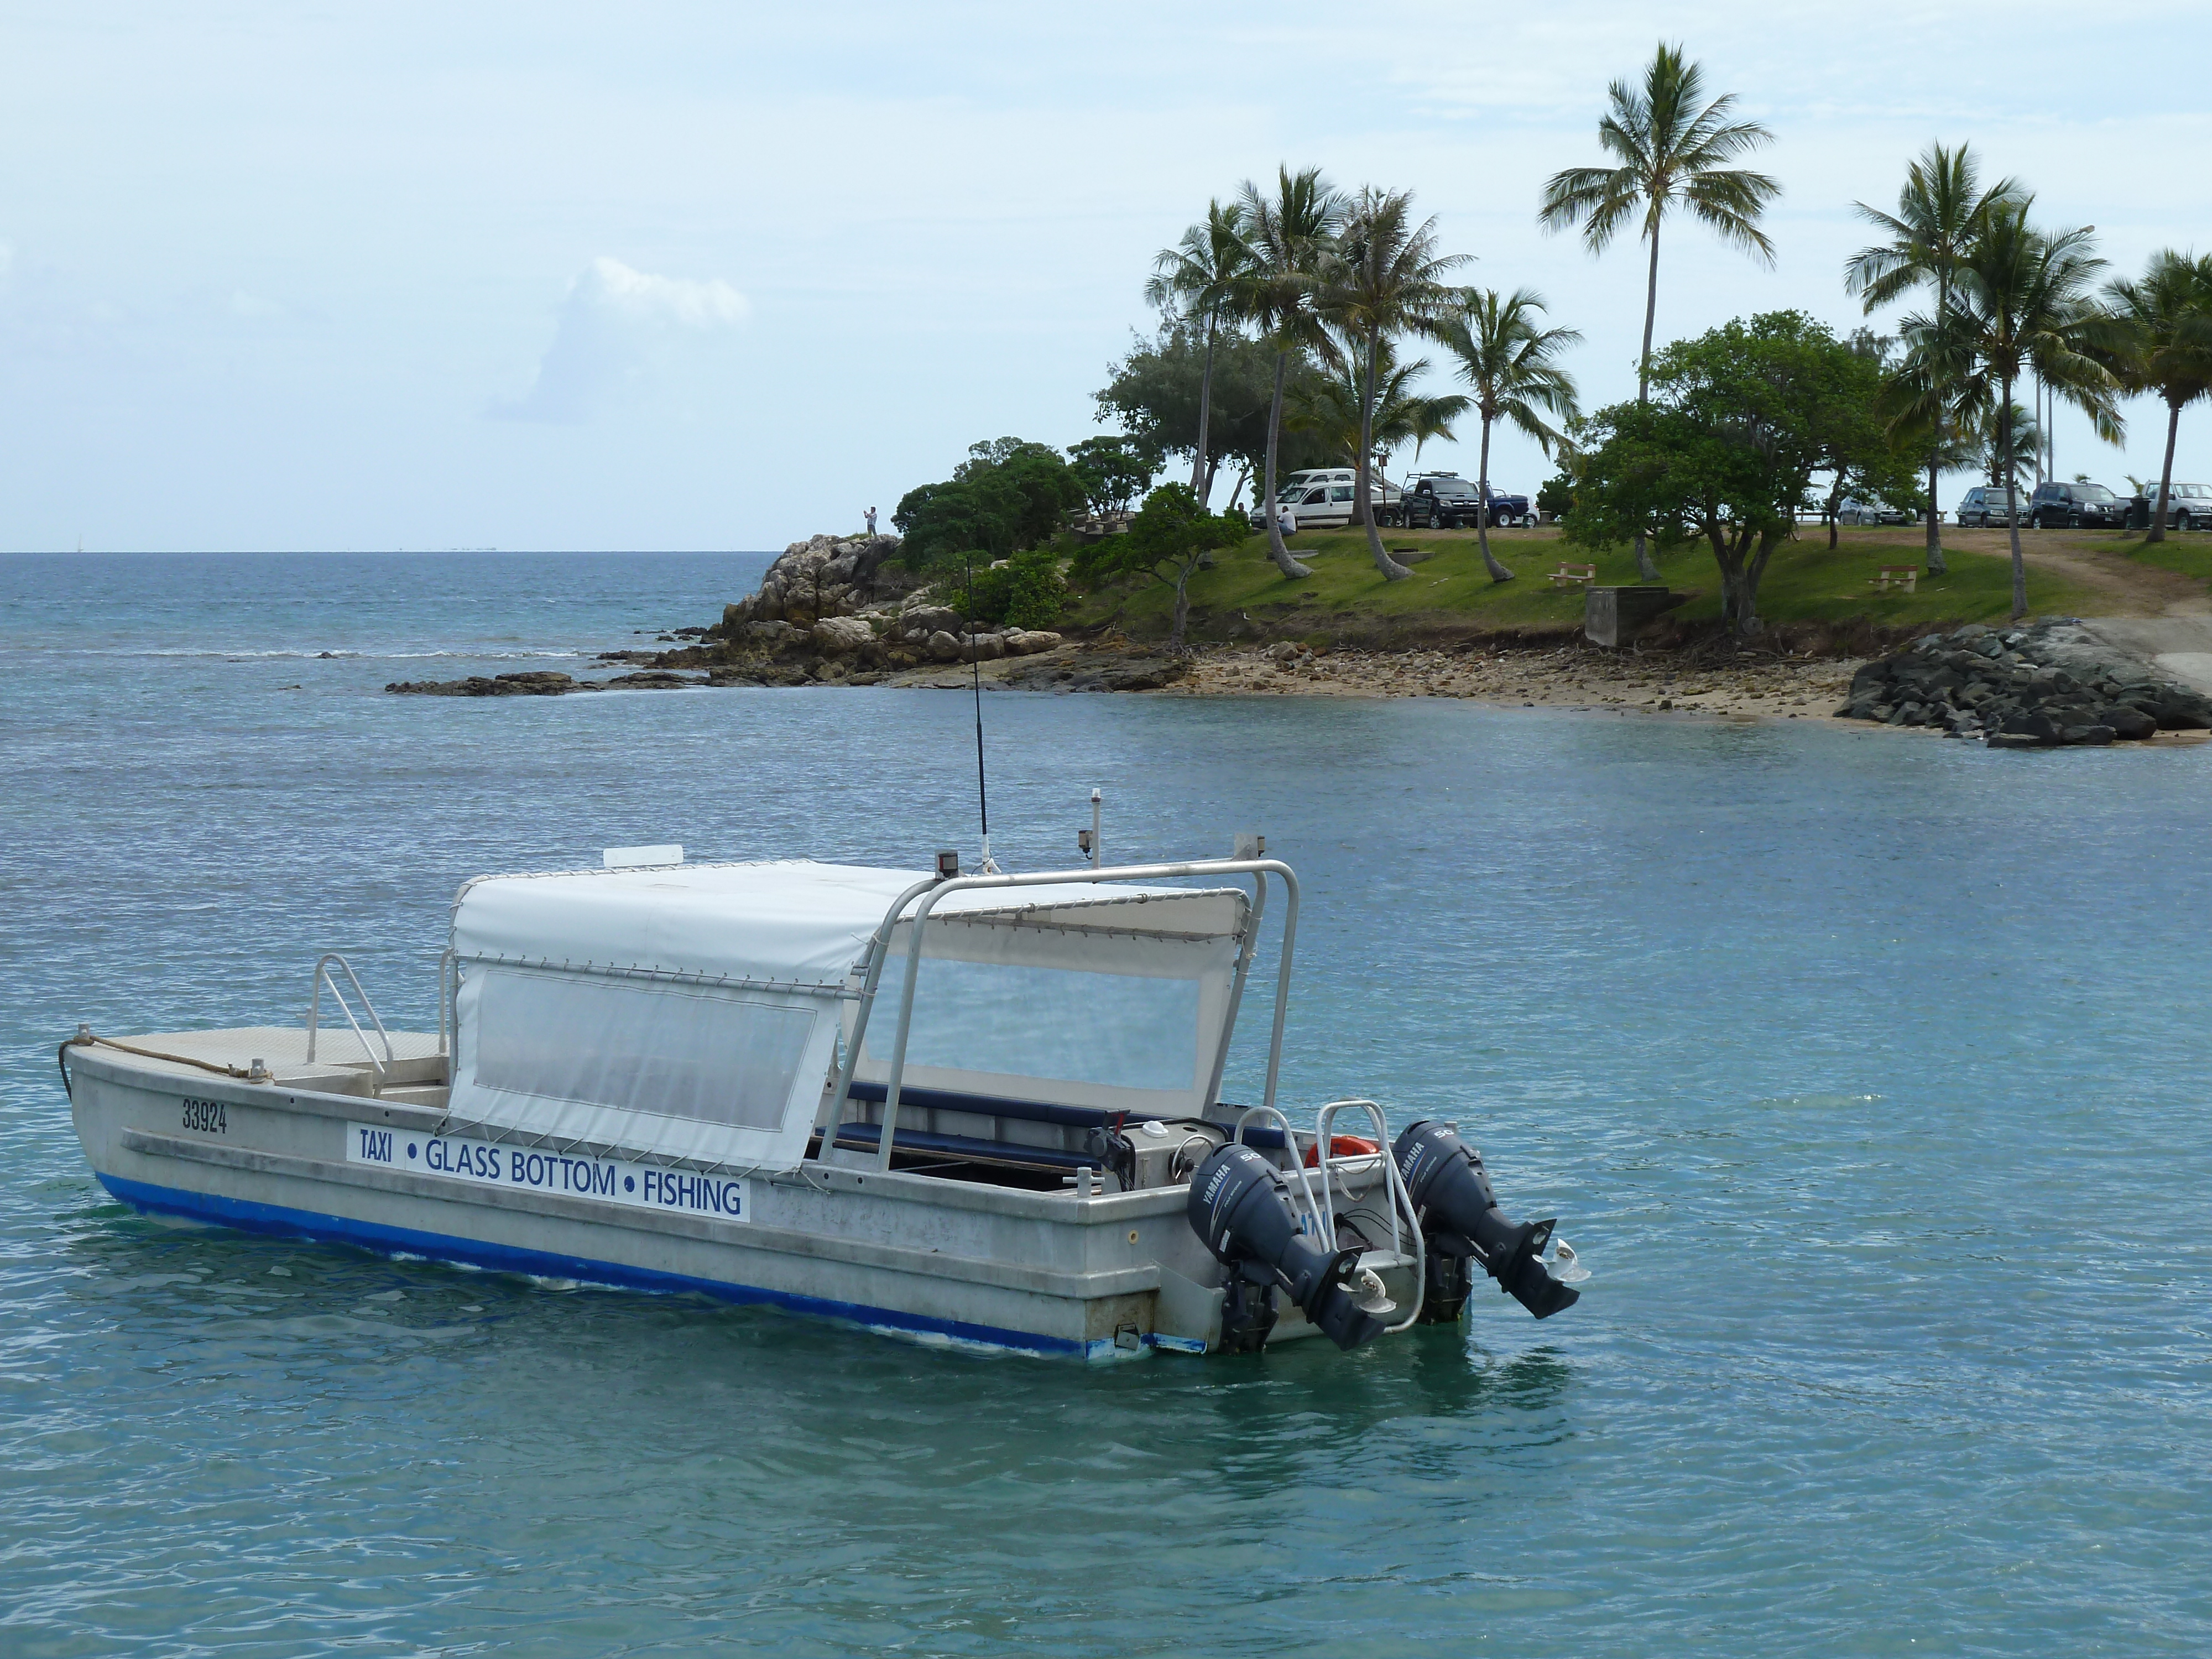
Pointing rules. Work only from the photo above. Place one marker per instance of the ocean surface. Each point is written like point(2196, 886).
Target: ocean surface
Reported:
point(1867, 1073)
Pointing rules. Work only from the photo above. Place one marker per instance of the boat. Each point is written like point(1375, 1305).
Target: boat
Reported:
point(980, 1108)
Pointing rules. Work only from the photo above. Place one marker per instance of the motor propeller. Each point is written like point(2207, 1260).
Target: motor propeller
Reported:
point(1461, 1219)
point(1240, 1207)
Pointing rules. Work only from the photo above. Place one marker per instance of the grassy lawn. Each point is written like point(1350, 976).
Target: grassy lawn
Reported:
point(1804, 582)
point(2188, 554)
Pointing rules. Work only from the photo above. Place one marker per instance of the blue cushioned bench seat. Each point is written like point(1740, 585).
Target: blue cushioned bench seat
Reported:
point(867, 1137)
point(948, 1100)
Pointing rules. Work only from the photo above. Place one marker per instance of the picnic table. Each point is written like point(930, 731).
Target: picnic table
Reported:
point(1907, 576)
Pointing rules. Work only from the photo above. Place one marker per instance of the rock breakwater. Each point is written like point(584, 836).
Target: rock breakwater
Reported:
point(2050, 685)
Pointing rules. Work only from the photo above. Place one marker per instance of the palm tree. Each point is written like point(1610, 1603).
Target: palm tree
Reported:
point(2166, 324)
point(2022, 303)
point(1204, 274)
point(1939, 211)
point(1671, 148)
point(1289, 231)
point(1328, 405)
point(1509, 359)
point(1382, 277)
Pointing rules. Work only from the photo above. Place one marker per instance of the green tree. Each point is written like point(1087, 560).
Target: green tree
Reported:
point(1736, 424)
point(2165, 346)
point(1153, 395)
point(1112, 470)
point(1171, 537)
point(1008, 494)
point(2021, 302)
point(1202, 279)
point(1291, 231)
point(1669, 147)
point(1383, 277)
point(1511, 361)
point(1024, 591)
point(1941, 210)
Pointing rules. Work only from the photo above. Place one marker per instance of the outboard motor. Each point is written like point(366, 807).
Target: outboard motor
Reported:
point(1461, 1221)
point(1240, 1207)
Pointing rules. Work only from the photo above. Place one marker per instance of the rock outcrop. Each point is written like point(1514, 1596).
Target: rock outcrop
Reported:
point(2048, 685)
point(542, 683)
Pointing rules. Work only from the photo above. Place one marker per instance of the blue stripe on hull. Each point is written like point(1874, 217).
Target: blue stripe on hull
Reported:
point(248, 1217)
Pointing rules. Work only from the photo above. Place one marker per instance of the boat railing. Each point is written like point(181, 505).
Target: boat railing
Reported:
point(924, 896)
point(1312, 1216)
point(378, 1070)
point(449, 1013)
point(1329, 1161)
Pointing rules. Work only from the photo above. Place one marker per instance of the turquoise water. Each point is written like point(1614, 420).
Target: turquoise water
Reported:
point(1867, 1072)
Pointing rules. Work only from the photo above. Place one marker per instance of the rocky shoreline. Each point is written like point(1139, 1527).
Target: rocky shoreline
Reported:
point(2050, 685)
point(841, 611)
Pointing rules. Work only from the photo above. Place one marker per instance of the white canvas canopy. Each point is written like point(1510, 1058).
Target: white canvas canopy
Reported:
point(695, 1010)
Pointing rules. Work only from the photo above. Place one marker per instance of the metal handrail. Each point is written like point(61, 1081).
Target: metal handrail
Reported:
point(449, 1013)
point(1393, 1182)
point(323, 977)
point(933, 890)
point(1312, 1215)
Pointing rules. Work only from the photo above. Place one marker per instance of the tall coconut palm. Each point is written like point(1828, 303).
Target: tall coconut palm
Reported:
point(1202, 276)
point(1510, 360)
point(2022, 302)
point(1939, 211)
point(2166, 346)
point(1288, 231)
point(1672, 148)
point(1382, 277)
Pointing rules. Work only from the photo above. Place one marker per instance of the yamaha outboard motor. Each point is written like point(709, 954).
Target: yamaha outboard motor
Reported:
point(1240, 1207)
point(1461, 1221)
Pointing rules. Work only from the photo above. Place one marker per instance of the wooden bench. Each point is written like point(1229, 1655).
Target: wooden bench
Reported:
point(1907, 576)
point(1585, 574)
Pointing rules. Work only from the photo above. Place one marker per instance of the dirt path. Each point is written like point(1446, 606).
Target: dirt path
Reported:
point(2123, 588)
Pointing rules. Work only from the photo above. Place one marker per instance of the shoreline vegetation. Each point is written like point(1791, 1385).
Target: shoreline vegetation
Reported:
point(845, 612)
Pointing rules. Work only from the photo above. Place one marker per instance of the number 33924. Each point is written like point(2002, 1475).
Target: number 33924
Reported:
point(208, 1116)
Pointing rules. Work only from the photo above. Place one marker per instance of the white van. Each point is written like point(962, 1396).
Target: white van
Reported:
point(1320, 498)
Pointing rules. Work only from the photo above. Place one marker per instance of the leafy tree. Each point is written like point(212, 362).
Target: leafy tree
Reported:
point(1671, 148)
point(1328, 406)
point(1291, 230)
point(1382, 277)
point(1557, 497)
point(1153, 397)
point(1112, 471)
point(2022, 302)
point(1168, 540)
point(1737, 421)
point(1509, 359)
point(2165, 346)
point(1202, 279)
point(1006, 495)
point(1941, 210)
point(1025, 591)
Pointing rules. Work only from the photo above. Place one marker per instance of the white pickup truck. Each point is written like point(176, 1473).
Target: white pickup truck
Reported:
point(1320, 498)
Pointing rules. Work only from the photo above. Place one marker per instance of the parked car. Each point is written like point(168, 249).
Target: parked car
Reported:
point(1320, 498)
point(1987, 505)
point(2075, 506)
point(1444, 501)
point(1853, 511)
point(2188, 507)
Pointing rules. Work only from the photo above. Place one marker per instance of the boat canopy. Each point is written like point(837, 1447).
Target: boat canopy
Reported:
point(696, 1011)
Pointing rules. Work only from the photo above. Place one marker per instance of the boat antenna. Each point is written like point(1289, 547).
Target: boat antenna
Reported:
point(975, 671)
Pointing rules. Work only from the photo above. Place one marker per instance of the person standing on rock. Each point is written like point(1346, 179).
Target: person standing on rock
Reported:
point(872, 521)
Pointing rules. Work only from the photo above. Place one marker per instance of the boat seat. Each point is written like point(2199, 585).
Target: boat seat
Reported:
point(970, 1149)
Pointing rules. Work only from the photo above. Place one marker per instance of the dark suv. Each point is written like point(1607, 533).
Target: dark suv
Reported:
point(2075, 506)
point(1444, 501)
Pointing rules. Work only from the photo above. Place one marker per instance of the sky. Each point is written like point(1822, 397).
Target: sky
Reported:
point(667, 275)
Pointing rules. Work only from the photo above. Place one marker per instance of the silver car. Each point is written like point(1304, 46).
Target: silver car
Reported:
point(2188, 506)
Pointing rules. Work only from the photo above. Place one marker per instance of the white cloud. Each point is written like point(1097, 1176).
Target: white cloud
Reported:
point(612, 324)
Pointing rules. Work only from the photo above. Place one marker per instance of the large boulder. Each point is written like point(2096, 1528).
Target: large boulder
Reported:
point(842, 636)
